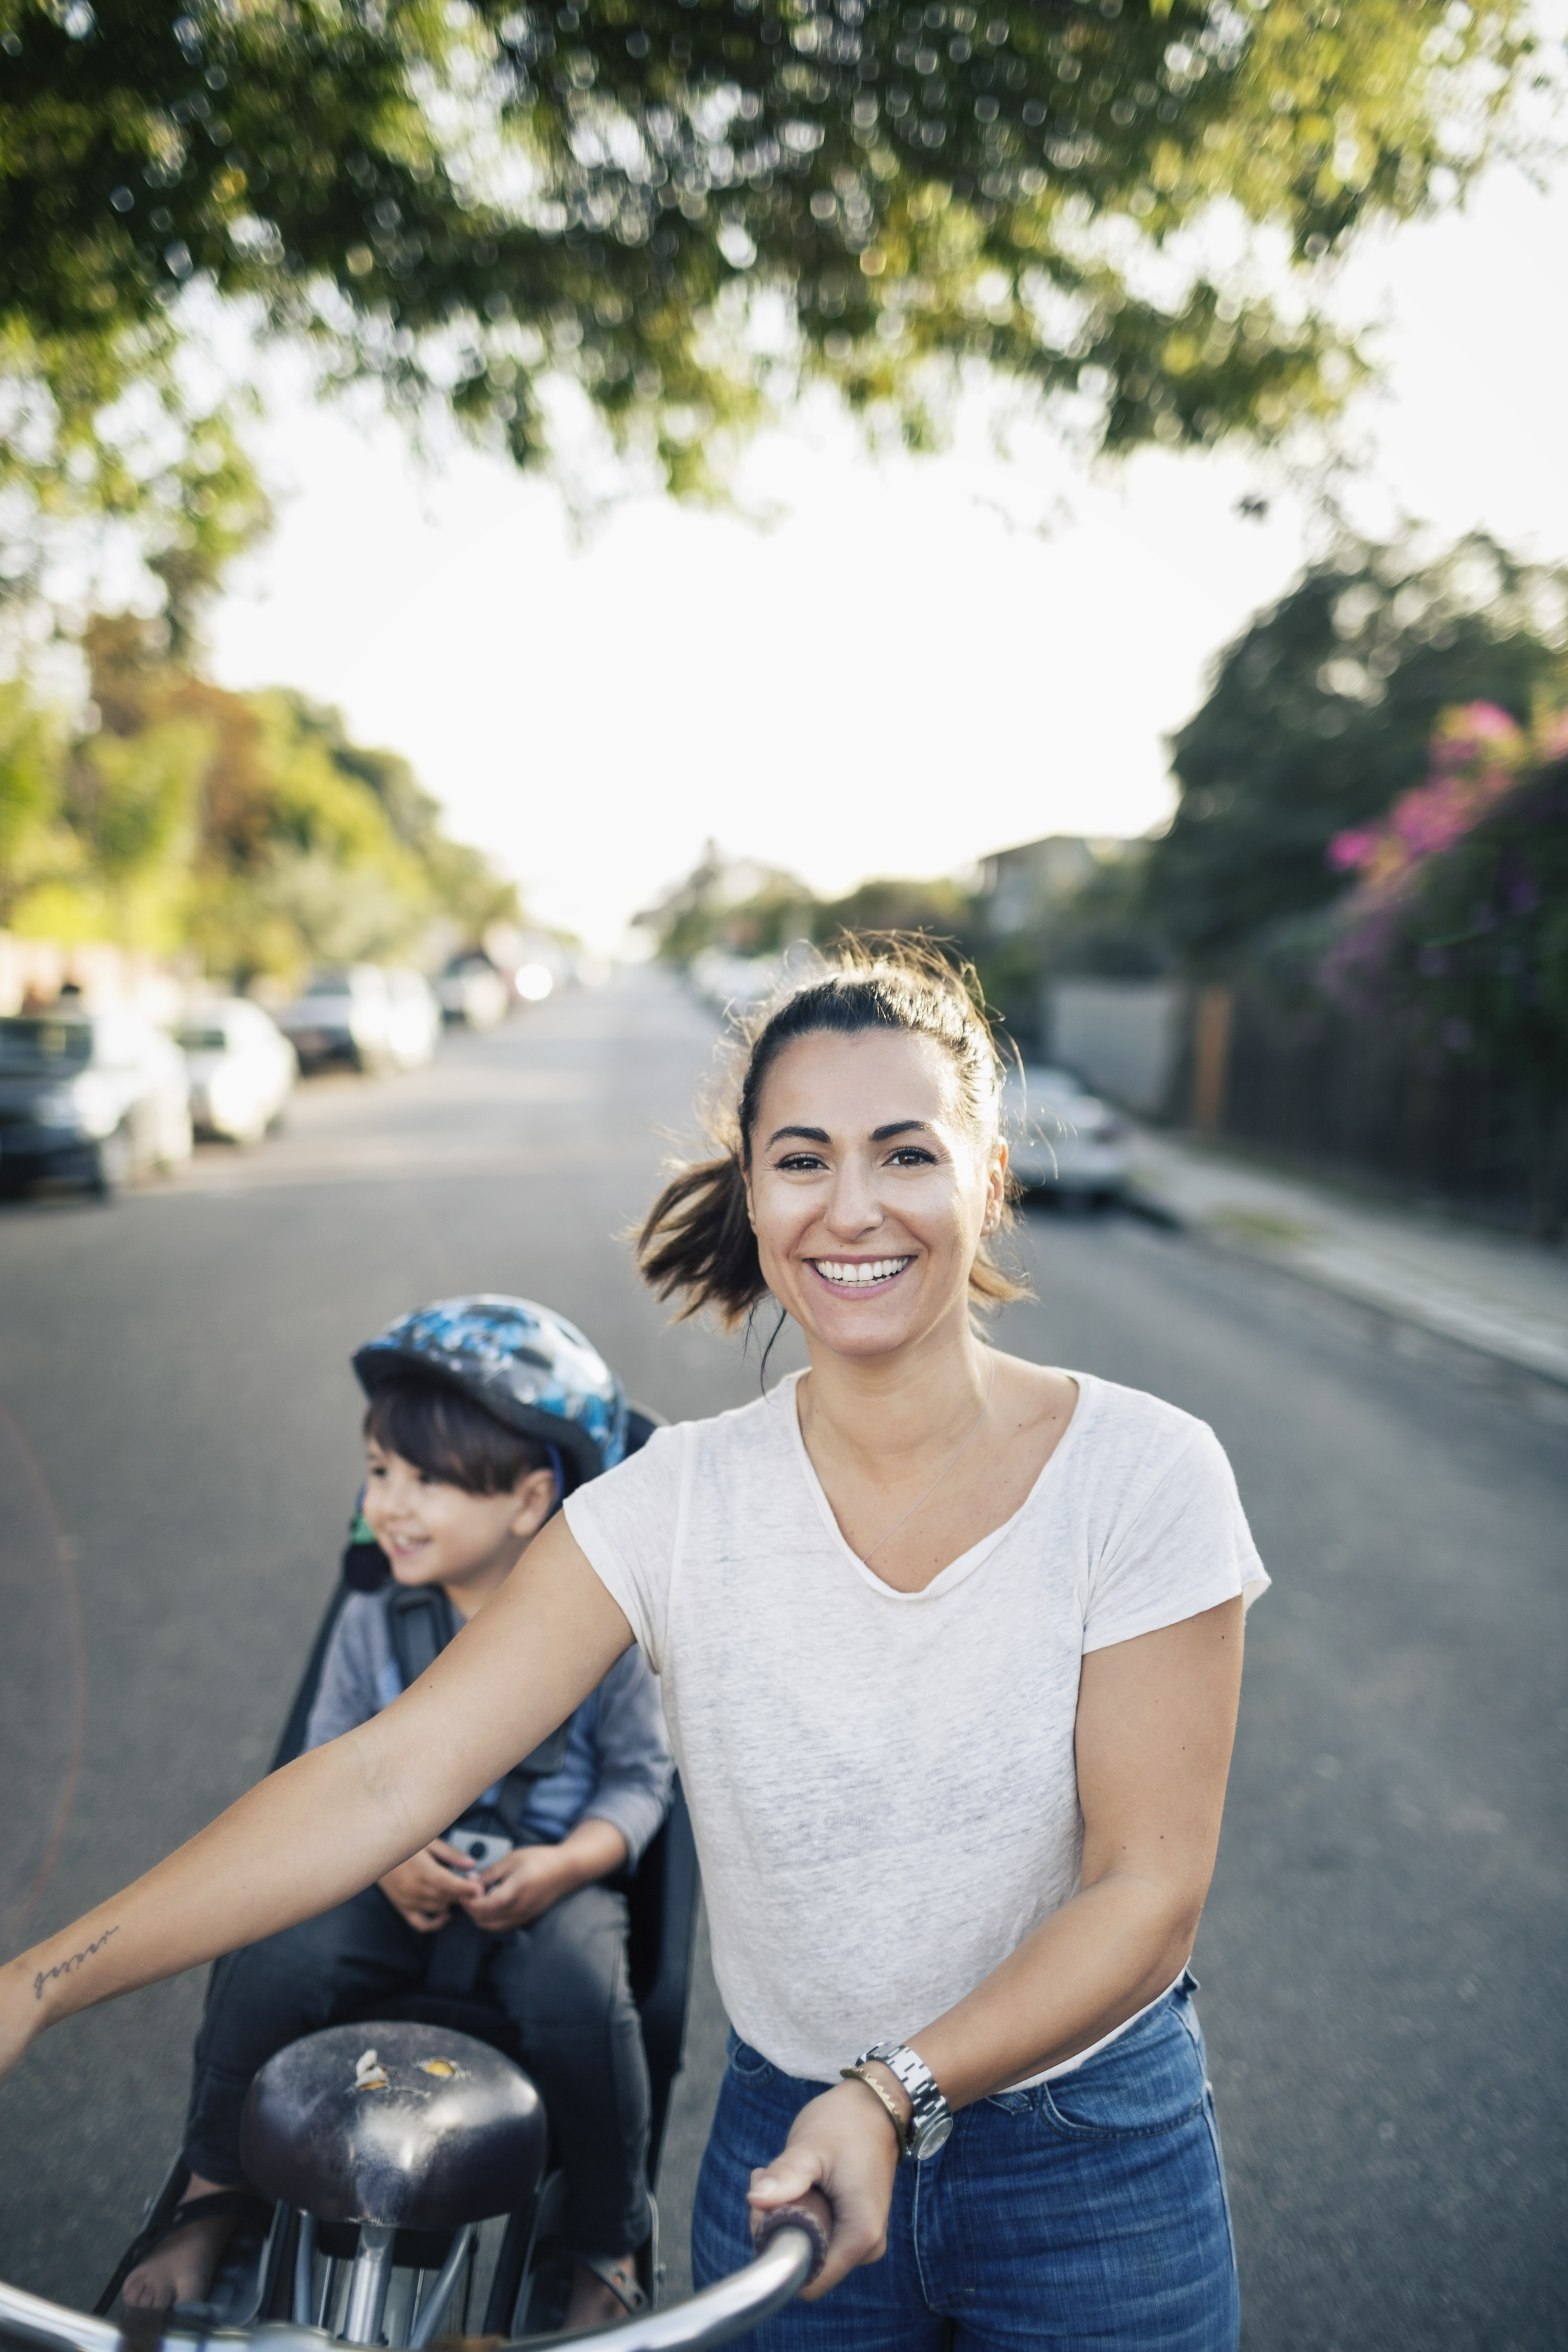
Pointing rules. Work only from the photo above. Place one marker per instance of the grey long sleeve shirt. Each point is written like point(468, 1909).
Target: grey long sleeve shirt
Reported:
point(617, 1766)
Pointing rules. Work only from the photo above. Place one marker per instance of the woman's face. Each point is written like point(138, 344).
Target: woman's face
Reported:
point(867, 1192)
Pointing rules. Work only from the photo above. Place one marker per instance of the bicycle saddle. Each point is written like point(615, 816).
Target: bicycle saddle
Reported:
point(400, 2123)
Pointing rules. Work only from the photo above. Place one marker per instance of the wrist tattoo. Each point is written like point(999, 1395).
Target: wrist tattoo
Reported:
point(65, 1968)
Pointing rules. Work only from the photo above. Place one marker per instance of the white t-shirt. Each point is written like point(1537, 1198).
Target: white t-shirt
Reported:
point(882, 1783)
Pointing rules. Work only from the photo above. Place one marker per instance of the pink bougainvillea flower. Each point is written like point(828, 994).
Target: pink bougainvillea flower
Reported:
point(1479, 755)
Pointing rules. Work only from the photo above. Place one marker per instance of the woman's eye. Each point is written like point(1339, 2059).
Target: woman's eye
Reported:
point(799, 1162)
point(910, 1155)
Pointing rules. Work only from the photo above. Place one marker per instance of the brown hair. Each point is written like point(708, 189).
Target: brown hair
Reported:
point(449, 1434)
point(696, 1241)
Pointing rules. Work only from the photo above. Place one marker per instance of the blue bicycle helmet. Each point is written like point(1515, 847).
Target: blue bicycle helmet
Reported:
point(523, 1362)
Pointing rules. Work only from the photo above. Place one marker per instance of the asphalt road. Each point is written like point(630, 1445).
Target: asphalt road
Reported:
point(1383, 1954)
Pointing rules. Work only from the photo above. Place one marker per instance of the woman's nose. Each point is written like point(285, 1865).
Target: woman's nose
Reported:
point(853, 1205)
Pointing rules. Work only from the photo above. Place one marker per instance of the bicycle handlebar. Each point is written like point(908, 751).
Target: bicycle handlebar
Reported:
point(792, 2245)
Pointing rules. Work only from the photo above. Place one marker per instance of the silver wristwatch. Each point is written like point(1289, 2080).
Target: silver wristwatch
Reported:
point(931, 2120)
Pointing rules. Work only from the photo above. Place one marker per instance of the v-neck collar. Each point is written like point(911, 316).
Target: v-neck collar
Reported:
point(957, 1571)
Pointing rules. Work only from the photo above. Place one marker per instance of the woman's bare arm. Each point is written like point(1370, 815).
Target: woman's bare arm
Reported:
point(325, 1826)
point(1156, 1719)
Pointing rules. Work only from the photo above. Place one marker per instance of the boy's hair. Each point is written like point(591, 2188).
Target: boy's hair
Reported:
point(449, 1436)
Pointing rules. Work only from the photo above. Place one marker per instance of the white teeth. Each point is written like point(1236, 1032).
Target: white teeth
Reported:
point(852, 1272)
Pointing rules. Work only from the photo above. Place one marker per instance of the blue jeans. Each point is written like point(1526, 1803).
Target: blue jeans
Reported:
point(1086, 2212)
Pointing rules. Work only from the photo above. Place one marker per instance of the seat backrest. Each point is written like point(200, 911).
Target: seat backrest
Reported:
point(663, 1898)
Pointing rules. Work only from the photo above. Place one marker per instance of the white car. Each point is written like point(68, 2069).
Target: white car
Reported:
point(414, 1019)
point(92, 1098)
point(339, 1016)
point(1060, 1137)
point(473, 991)
point(242, 1068)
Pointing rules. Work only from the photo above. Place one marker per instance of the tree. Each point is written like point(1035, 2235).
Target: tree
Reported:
point(1458, 921)
point(1321, 714)
point(247, 829)
point(30, 763)
point(689, 208)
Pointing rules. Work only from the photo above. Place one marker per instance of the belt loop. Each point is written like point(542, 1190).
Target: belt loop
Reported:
point(1189, 1983)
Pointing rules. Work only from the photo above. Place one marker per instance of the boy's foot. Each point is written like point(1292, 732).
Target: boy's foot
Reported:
point(595, 2303)
point(181, 2266)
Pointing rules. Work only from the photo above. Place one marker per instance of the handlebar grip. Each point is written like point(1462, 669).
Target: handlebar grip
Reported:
point(812, 2212)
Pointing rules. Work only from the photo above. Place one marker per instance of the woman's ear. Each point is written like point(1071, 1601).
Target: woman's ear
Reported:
point(535, 1495)
point(996, 1190)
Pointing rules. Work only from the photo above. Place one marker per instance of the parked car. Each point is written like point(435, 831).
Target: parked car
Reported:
point(93, 1098)
point(242, 1068)
point(414, 1022)
point(341, 1016)
point(1060, 1137)
point(473, 991)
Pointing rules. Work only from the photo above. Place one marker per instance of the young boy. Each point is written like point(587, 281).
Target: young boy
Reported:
point(482, 1413)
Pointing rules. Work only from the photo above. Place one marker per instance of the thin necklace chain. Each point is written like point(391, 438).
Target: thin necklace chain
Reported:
point(867, 1557)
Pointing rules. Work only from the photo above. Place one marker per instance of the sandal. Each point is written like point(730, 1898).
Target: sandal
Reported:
point(620, 2279)
point(214, 2207)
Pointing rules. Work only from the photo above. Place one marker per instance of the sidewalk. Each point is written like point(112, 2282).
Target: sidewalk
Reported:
point(1502, 1300)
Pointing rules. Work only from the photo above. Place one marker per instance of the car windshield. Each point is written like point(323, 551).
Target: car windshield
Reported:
point(202, 1041)
point(329, 983)
point(44, 1046)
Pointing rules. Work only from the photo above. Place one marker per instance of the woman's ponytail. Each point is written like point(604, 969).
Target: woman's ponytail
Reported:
point(697, 1240)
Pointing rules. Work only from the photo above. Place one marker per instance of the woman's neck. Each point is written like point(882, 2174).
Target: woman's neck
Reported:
point(884, 1408)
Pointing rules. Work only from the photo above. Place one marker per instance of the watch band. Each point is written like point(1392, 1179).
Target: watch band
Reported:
point(931, 2119)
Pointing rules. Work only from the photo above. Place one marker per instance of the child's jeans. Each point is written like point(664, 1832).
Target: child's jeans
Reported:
point(562, 1981)
point(1087, 2211)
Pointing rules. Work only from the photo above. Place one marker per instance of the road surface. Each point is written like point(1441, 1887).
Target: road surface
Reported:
point(1382, 1955)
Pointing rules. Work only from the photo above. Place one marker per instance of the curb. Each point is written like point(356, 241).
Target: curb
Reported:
point(1404, 1332)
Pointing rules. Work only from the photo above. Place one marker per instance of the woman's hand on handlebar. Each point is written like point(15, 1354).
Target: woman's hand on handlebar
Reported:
point(842, 2144)
point(426, 1887)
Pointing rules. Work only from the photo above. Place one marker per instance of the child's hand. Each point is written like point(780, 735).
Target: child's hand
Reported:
point(521, 1887)
point(425, 1886)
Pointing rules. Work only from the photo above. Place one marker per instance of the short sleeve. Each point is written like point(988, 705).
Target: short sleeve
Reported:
point(1184, 1550)
point(628, 1523)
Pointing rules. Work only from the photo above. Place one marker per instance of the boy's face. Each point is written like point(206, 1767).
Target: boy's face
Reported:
point(434, 1533)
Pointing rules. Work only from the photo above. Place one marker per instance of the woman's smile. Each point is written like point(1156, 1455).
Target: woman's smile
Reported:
point(859, 1273)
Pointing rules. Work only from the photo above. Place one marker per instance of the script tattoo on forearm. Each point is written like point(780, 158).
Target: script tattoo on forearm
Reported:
point(64, 1967)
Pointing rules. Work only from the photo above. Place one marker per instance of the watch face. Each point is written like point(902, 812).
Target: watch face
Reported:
point(934, 2135)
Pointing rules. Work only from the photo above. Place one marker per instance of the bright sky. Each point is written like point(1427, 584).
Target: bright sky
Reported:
point(902, 672)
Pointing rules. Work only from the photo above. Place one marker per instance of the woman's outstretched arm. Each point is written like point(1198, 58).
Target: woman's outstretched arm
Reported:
point(329, 1825)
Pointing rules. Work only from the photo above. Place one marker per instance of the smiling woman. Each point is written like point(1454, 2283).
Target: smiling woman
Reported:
point(958, 1810)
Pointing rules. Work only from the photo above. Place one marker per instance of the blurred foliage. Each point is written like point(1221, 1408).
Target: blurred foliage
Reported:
point(1458, 924)
point(746, 910)
point(1320, 716)
point(737, 905)
point(690, 208)
point(32, 750)
point(245, 829)
point(1460, 913)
